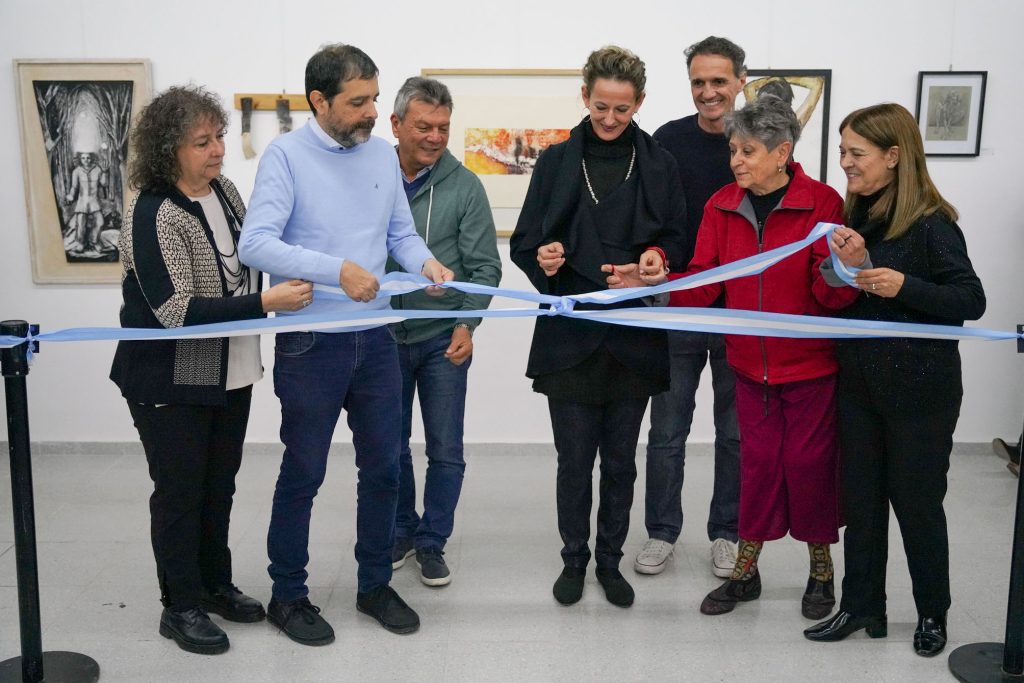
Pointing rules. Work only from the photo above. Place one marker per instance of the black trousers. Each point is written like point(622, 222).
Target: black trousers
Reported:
point(898, 458)
point(194, 453)
point(581, 430)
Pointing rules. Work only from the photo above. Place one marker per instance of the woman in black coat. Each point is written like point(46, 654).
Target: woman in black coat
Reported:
point(189, 398)
point(899, 398)
point(607, 195)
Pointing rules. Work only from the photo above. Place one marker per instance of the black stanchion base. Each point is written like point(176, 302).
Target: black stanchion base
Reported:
point(58, 667)
point(980, 663)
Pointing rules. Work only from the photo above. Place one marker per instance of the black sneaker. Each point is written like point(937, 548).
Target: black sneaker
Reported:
point(193, 631)
point(233, 604)
point(384, 605)
point(301, 621)
point(402, 549)
point(433, 570)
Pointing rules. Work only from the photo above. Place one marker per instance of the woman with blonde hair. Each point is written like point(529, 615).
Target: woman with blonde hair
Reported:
point(899, 399)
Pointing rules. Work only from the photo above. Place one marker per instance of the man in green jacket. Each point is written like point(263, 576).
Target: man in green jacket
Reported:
point(453, 216)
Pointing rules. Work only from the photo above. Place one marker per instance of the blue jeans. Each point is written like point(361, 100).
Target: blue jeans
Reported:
point(671, 416)
point(317, 374)
point(442, 388)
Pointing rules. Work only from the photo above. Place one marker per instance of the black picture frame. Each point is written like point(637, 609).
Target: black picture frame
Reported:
point(950, 110)
point(812, 108)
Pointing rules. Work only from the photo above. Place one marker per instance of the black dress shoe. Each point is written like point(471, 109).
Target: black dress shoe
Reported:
point(843, 624)
point(616, 588)
point(193, 631)
point(384, 605)
point(300, 620)
point(233, 605)
point(930, 636)
point(819, 598)
point(724, 598)
point(568, 588)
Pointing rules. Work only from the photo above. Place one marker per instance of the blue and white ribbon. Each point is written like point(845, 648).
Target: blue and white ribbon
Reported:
point(717, 320)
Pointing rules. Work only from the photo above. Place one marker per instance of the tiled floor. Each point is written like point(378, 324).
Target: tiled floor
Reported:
point(497, 620)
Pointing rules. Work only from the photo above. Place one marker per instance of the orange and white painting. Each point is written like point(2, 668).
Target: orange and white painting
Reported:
point(508, 151)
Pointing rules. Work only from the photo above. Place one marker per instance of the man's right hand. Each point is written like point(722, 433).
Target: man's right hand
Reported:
point(357, 282)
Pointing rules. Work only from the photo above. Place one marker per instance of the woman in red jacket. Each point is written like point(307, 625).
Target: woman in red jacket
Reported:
point(785, 388)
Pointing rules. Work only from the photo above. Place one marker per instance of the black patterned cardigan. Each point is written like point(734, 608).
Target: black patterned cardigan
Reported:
point(171, 277)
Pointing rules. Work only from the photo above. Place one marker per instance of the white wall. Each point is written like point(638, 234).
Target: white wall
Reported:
point(874, 47)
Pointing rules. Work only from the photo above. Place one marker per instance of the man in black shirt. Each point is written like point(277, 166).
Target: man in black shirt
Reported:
point(717, 74)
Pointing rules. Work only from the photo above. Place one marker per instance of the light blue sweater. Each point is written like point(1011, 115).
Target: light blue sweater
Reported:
point(316, 204)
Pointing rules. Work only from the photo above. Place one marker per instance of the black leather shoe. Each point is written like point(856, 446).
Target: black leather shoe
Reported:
point(233, 605)
point(843, 624)
point(930, 636)
point(819, 598)
point(616, 588)
point(300, 620)
point(384, 605)
point(568, 588)
point(193, 631)
point(724, 598)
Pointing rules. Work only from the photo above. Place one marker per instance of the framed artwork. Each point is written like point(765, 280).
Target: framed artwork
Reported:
point(74, 118)
point(809, 92)
point(502, 120)
point(950, 105)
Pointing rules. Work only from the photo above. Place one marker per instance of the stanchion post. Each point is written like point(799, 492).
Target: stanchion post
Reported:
point(1001, 662)
point(29, 667)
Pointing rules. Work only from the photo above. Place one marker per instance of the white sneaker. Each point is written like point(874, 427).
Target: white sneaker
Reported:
point(653, 557)
point(723, 557)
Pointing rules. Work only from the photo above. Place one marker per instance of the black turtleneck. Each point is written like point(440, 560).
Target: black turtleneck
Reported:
point(607, 160)
point(870, 229)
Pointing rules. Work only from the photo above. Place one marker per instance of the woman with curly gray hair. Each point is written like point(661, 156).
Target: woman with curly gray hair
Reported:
point(190, 398)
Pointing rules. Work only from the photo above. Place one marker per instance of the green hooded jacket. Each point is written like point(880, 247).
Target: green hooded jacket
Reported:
point(453, 216)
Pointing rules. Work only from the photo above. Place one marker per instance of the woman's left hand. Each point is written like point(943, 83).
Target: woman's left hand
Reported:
point(884, 282)
point(631, 275)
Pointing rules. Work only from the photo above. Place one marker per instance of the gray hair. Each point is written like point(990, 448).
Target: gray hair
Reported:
point(767, 119)
point(428, 90)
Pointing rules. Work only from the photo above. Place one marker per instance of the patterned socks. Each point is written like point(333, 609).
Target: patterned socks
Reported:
point(821, 561)
point(746, 559)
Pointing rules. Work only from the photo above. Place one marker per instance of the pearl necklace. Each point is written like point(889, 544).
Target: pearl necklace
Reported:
point(586, 176)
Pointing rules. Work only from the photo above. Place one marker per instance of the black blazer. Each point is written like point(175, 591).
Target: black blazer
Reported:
point(552, 212)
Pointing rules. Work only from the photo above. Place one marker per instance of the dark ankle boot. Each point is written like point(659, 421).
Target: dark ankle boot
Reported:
point(843, 624)
point(568, 588)
point(819, 599)
point(616, 588)
point(724, 598)
point(930, 635)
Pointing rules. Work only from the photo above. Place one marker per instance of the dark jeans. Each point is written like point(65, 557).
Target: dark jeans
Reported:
point(194, 452)
point(317, 374)
point(442, 389)
point(671, 416)
point(581, 430)
point(900, 459)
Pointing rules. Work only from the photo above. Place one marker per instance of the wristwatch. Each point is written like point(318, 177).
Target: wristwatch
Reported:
point(464, 326)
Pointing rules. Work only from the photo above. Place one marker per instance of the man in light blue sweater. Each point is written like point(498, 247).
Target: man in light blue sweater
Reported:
point(329, 207)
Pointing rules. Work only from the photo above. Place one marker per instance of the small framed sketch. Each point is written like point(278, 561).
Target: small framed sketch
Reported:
point(950, 105)
point(75, 117)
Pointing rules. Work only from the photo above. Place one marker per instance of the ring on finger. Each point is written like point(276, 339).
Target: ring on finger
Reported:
point(873, 288)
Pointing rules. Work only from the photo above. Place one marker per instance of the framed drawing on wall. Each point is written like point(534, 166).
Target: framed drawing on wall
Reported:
point(950, 105)
point(502, 120)
point(75, 117)
point(808, 91)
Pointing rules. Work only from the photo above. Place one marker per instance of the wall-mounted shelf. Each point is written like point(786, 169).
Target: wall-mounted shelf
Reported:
point(268, 101)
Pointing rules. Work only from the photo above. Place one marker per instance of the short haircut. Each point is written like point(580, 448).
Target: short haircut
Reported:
point(767, 119)
point(162, 127)
point(428, 90)
point(723, 47)
point(618, 64)
point(334, 64)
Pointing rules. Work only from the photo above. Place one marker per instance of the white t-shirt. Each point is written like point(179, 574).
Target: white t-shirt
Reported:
point(244, 364)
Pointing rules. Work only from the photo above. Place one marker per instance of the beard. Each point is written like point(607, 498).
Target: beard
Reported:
point(350, 136)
